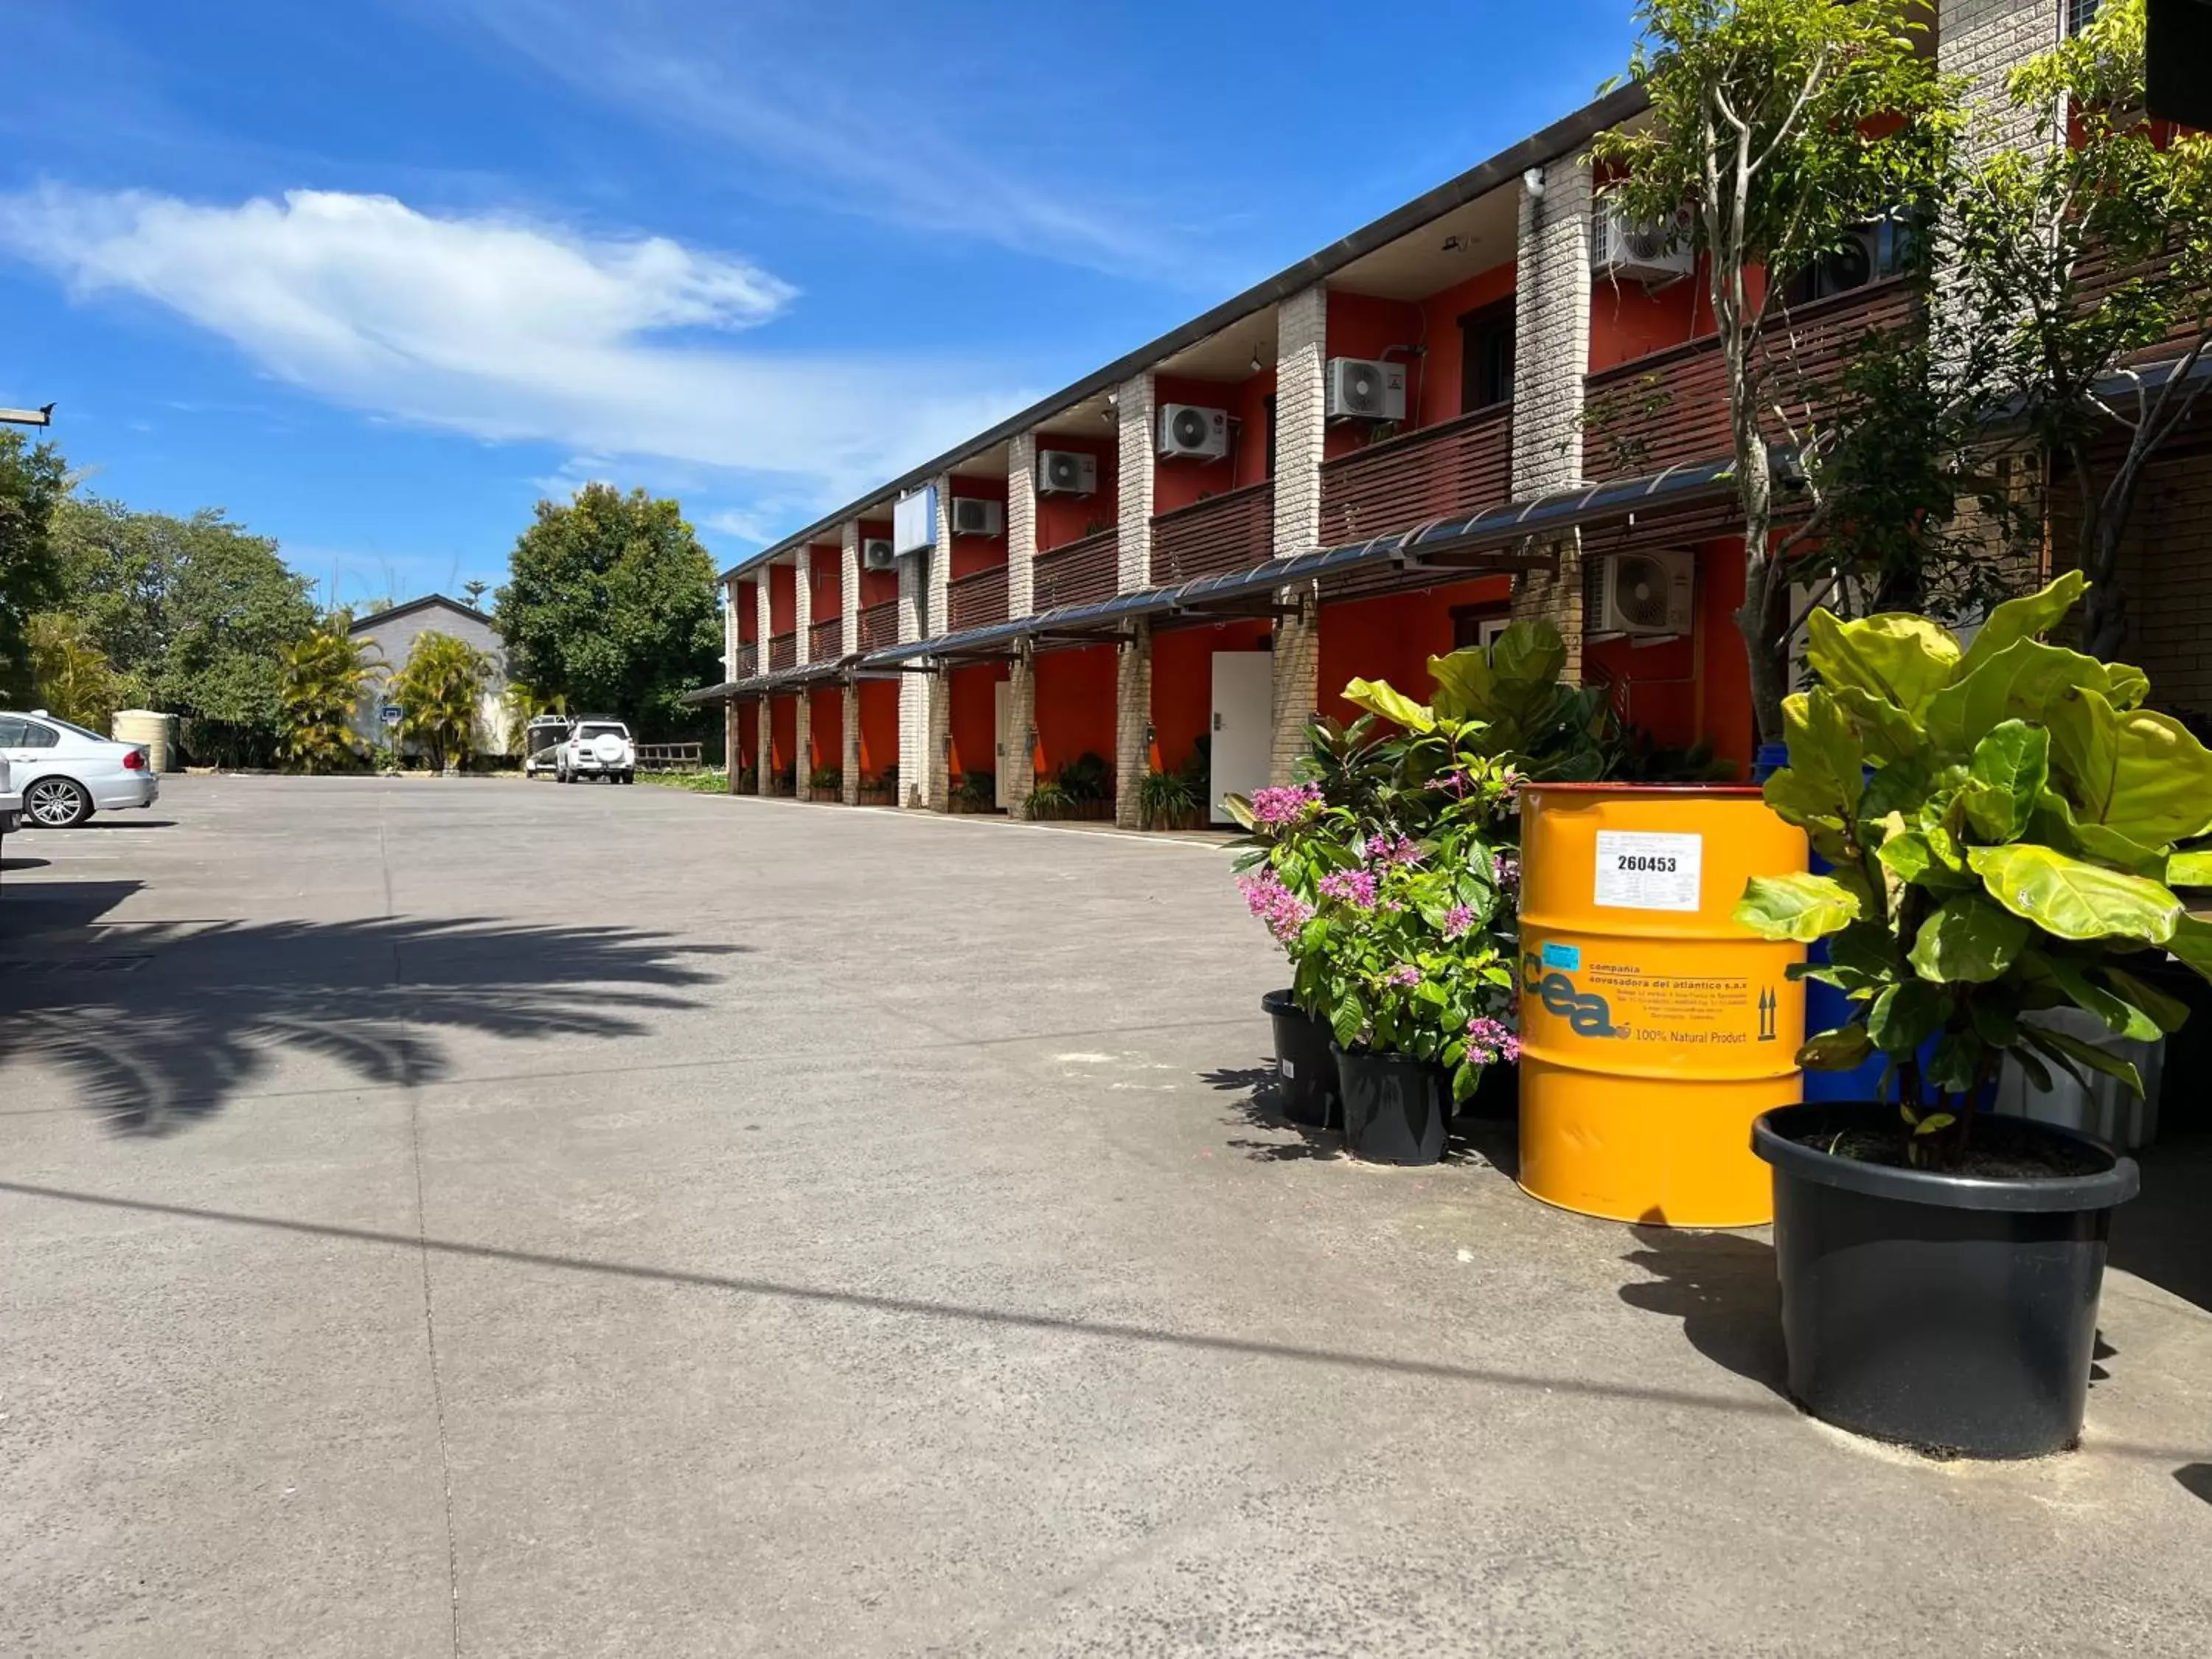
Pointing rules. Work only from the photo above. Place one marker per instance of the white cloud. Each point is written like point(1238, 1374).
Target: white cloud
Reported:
point(511, 331)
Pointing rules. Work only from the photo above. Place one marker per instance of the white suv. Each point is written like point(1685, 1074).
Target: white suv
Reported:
point(11, 799)
point(66, 774)
point(597, 748)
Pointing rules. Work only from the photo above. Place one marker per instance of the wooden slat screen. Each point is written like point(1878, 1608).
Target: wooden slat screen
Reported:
point(977, 599)
point(1234, 530)
point(1080, 573)
point(825, 640)
point(879, 625)
point(783, 651)
point(1457, 466)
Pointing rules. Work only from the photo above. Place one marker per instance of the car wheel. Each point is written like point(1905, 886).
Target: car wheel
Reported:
point(56, 804)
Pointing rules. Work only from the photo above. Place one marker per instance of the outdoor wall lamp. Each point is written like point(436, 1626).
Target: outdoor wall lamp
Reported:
point(1533, 182)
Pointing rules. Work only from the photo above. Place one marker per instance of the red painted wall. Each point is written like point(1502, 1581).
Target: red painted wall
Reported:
point(1435, 387)
point(975, 718)
point(748, 737)
point(825, 732)
point(1075, 703)
point(973, 553)
point(1065, 519)
point(780, 609)
point(1361, 325)
point(879, 727)
point(1183, 683)
point(1393, 637)
point(1725, 717)
point(826, 564)
point(783, 731)
point(1249, 458)
point(748, 612)
point(1178, 483)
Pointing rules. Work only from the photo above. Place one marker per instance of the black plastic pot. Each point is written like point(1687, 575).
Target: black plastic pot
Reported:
point(1395, 1107)
point(1953, 1314)
point(1303, 1061)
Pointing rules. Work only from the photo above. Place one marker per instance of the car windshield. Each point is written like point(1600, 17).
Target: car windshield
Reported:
point(601, 731)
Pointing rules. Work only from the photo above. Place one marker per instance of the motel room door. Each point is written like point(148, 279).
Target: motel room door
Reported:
point(1244, 724)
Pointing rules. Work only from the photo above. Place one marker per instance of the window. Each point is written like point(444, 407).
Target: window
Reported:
point(1477, 624)
point(2080, 14)
point(1873, 251)
point(1486, 357)
point(16, 733)
point(1271, 434)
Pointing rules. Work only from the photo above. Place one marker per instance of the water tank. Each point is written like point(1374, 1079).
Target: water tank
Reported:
point(157, 731)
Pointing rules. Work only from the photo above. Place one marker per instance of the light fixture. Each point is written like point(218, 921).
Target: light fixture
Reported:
point(1533, 181)
point(1453, 245)
point(1256, 364)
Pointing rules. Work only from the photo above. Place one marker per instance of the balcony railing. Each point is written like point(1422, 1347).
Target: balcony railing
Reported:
point(879, 625)
point(1671, 407)
point(825, 640)
point(1231, 531)
point(977, 599)
point(1457, 466)
point(748, 661)
point(782, 652)
point(1079, 572)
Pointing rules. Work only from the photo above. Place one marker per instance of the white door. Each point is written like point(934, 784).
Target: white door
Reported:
point(1243, 724)
point(1002, 702)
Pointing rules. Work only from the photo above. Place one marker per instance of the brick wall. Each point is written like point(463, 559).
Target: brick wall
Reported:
point(849, 751)
point(1985, 41)
point(1551, 355)
point(1021, 525)
point(763, 733)
point(1133, 413)
point(1021, 725)
point(2166, 571)
point(1301, 409)
point(731, 745)
point(1133, 718)
point(848, 588)
point(1296, 690)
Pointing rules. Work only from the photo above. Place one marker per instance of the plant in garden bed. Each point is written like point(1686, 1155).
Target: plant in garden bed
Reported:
point(1166, 800)
point(978, 791)
point(826, 783)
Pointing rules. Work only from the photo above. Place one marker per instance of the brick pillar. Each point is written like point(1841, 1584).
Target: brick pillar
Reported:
point(730, 632)
point(1551, 357)
point(1301, 433)
point(1983, 41)
point(850, 762)
point(1021, 732)
point(936, 782)
point(802, 710)
point(1133, 411)
point(1021, 525)
point(1301, 404)
point(765, 783)
point(732, 743)
point(924, 716)
point(1132, 720)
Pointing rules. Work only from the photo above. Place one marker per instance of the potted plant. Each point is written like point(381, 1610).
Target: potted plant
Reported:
point(826, 783)
point(978, 792)
point(2002, 821)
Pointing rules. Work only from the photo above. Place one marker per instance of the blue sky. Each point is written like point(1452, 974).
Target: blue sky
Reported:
point(376, 276)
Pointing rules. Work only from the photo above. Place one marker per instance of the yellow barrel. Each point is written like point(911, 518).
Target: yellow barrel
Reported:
point(1653, 1028)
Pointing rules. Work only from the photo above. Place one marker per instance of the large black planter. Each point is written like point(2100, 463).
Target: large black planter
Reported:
point(1953, 1314)
point(1395, 1107)
point(1303, 1061)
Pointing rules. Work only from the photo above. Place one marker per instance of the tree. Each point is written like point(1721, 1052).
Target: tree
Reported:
point(476, 589)
point(72, 675)
point(320, 681)
point(33, 484)
point(437, 693)
point(1783, 125)
point(610, 603)
point(192, 613)
point(2087, 258)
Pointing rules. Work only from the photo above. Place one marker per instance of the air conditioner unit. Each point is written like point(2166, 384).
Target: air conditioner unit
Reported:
point(974, 515)
point(1638, 595)
point(1196, 433)
point(1066, 472)
point(1640, 253)
point(876, 553)
point(1362, 390)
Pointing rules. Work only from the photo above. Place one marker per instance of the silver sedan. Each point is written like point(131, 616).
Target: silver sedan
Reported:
point(65, 773)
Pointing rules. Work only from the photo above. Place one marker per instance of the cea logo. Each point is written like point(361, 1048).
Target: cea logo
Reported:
point(1586, 1012)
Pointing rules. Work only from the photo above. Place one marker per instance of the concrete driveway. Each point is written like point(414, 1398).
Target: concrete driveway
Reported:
point(476, 1218)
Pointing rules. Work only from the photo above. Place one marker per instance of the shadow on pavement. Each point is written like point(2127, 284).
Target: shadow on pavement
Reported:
point(160, 1023)
point(1722, 1286)
point(2196, 1480)
point(2164, 1236)
point(1261, 1108)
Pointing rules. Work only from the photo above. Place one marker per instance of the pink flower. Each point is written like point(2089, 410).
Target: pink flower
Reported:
point(1458, 919)
point(1404, 973)
point(1353, 887)
point(1292, 804)
point(1504, 871)
point(1396, 851)
point(1283, 911)
point(1489, 1040)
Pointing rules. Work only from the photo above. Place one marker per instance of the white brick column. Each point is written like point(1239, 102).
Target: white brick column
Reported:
point(1551, 357)
point(1132, 720)
point(1301, 407)
point(937, 691)
point(850, 760)
point(924, 716)
point(802, 705)
point(1983, 41)
point(1018, 762)
point(732, 743)
point(1021, 525)
point(764, 783)
point(1134, 411)
point(1301, 437)
point(729, 631)
point(848, 595)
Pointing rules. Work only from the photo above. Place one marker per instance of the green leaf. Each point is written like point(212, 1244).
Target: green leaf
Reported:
point(2140, 773)
point(2087, 1054)
point(1464, 1079)
point(2121, 1017)
point(1825, 750)
point(1239, 808)
point(1897, 659)
point(2028, 617)
point(1911, 854)
point(1969, 940)
point(2169, 1013)
point(2007, 776)
point(2074, 899)
point(1800, 906)
point(2192, 942)
point(1955, 1066)
point(1800, 798)
point(2026, 681)
point(1864, 955)
point(1377, 697)
point(1886, 732)
point(2191, 869)
point(1905, 1016)
point(1347, 1018)
point(1934, 1121)
point(1837, 1050)
point(2055, 822)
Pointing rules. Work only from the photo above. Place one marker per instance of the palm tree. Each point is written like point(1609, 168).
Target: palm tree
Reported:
point(322, 675)
point(73, 676)
point(524, 704)
point(438, 692)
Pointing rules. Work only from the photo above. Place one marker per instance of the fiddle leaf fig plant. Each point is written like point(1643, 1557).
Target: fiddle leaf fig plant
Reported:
point(2006, 823)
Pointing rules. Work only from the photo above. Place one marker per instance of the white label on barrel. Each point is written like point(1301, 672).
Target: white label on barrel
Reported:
point(1641, 870)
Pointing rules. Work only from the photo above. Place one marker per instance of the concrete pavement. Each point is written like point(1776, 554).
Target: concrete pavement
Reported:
point(472, 1218)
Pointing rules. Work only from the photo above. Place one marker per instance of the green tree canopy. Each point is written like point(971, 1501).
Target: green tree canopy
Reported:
point(439, 692)
point(33, 484)
point(322, 675)
point(610, 603)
